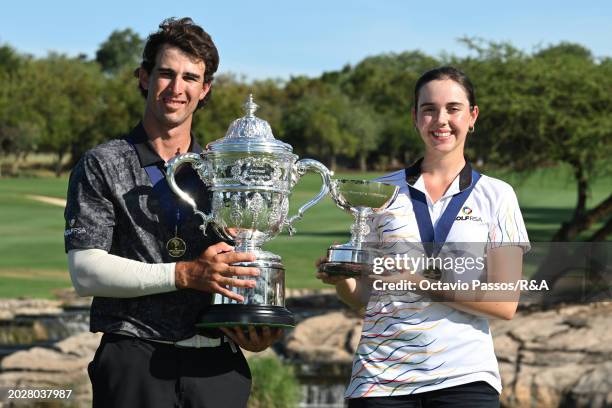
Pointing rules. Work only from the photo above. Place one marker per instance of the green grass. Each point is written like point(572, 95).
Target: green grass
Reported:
point(31, 233)
point(548, 196)
point(31, 237)
point(28, 283)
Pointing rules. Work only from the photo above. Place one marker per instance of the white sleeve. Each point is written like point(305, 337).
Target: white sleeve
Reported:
point(95, 272)
point(508, 227)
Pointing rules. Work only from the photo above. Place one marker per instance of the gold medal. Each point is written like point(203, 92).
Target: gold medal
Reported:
point(432, 273)
point(176, 247)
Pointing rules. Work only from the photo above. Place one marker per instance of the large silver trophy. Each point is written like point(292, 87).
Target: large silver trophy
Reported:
point(251, 175)
point(362, 198)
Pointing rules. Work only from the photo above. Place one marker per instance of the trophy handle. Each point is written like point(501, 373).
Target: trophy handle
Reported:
point(299, 169)
point(337, 198)
point(198, 164)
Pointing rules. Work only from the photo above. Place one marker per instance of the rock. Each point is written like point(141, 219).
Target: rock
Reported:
point(596, 337)
point(43, 360)
point(332, 337)
point(544, 387)
point(76, 381)
point(557, 357)
point(38, 311)
point(538, 326)
point(64, 366)
point(9, 308)
point(545, 357)
point(550, 358)
point(594, 389)
point(506, 348)
point(292, 293)
point(507, 372)
point(71, 300)
point(80, 345)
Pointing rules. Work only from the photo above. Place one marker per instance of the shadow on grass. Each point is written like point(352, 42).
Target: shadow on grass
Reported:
point(326, 233)
point(540, 215)
point(543, 222)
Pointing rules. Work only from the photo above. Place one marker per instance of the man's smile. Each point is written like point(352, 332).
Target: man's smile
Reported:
point(172, 101)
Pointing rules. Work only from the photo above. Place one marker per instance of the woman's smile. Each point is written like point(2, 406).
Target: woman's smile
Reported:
point(442, 133)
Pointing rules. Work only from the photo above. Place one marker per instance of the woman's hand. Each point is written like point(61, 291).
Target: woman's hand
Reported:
point(325, 277)
point(330, 280)
point(347, 287)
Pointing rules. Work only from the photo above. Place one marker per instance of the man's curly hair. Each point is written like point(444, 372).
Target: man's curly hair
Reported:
point(188, 37)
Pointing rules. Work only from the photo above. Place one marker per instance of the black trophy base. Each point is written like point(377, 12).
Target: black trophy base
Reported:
point(233, 315)
point(349, 269)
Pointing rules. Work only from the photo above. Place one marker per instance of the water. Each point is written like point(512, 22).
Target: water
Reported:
point(317, 395)
point(23, 332)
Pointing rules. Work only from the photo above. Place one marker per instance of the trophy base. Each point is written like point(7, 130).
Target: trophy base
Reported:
point(344, 269)
point(231, 315)
point(345, 260)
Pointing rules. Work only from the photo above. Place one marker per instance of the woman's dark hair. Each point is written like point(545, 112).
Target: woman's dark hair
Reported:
point(189, 38)
point(445, 72)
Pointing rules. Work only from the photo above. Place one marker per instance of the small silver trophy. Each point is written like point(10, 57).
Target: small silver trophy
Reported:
point(251, 175)
point(362, 198)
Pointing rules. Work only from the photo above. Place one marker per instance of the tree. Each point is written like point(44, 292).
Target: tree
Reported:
point(229, 95)
point(271, 97)
point(120, 107)
point(316, 125)
point(20, 124)
point(122, 48)
point(212, 121)
point(68, 94)
point(10, 60)
point(364, 125)
point(549, 108)
point(385, 84)
point(18, 140)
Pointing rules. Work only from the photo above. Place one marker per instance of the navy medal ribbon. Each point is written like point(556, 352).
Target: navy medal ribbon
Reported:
point(172, 210)
point(433, 239)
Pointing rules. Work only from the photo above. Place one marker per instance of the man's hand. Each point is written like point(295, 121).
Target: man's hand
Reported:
point(255, 342)
point(212, 271)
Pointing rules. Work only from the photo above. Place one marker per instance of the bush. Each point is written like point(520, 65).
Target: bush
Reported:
point(274, 384)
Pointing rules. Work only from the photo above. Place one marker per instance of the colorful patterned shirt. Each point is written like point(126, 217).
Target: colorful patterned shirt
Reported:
point(409, 343)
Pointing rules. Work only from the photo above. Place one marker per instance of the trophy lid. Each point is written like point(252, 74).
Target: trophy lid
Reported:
point(249, 134)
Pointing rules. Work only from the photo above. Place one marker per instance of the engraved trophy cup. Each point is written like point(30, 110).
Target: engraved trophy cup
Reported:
point(250, 175)
point(362, 198)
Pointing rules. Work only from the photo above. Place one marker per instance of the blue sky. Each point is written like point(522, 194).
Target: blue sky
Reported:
point(266, 38)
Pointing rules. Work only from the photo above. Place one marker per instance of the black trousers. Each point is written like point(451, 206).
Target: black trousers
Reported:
point(129, 372)
point(472, 395)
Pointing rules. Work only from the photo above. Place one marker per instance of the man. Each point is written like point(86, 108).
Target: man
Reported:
point(139, 251)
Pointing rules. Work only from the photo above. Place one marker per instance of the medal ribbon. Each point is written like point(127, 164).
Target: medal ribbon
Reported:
point(172, 210)
point(433, 239)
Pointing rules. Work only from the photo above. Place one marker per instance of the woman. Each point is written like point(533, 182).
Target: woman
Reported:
point(432, 347)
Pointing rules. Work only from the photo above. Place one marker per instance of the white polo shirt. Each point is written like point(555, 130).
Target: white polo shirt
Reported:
point(410, 344)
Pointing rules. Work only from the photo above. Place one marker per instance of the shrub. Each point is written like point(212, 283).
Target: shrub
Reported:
point(274, 384)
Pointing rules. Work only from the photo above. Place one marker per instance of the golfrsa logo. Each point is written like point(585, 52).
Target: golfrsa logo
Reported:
point(466, 215)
